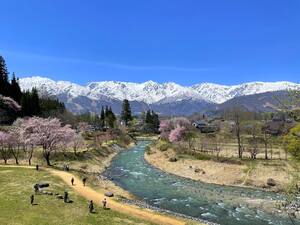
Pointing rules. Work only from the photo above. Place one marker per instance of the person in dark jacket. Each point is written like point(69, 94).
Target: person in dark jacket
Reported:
point(91, 206)
point(66, 197)
point(84, 181)
point(31, 199)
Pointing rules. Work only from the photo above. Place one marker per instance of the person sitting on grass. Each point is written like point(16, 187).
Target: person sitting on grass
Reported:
point(36, 188)
point(104, 202)
point(91, 206)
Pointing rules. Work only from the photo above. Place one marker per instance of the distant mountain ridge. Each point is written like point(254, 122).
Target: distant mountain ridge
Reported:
point(166, 98)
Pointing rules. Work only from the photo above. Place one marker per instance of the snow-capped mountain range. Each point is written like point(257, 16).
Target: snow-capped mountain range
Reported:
point(166, 99)
point(151, 92)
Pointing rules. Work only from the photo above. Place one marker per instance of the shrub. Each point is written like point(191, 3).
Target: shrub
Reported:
point(148, 150)
point(201, 156)
point(292, 141)
point(163, 146)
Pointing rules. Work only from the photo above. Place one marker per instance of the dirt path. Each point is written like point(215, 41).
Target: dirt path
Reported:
point(97, 198)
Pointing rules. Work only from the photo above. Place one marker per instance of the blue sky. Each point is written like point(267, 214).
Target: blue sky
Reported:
point(184, 41)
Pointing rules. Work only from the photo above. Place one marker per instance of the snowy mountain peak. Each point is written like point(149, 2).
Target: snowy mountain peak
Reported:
point(152, 92)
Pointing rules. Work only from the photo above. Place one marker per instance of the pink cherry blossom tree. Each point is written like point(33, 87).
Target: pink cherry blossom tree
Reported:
point(30, 142)
point(11, 110)
point(171, 127)
point(16, 142)
point(77, 142)
point(83, 127)
point(26, 138)
point(4, 146)
point(177, 134)
point(48, 133)
point(164, 128)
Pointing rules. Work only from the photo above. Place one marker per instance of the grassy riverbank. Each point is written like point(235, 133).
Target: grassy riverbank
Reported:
point(16, 188)
point(86, 163)
point(246, 173)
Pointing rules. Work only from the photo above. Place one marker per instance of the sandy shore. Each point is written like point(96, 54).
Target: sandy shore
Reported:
point(222, 173)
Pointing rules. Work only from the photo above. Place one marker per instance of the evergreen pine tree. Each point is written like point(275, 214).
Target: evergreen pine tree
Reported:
point(102, 117)
point(151, 122)
point(15, 90)
point(155, 122)
point(110, 118)
point(126, 112)
point(35, 102)
point(106, 111)
point(26, 110)
point(148, 118)
point(4, 83)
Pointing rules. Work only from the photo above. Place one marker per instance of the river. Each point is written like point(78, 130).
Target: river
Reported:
point(219, 204)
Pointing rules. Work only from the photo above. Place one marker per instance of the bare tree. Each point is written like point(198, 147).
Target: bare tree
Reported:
point(15, 148)
point(77, 142)
point(4, 146)
point(237, 129)
point(266, 139)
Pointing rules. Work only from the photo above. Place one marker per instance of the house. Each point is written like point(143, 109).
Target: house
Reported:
point(200, 124)
point(206, 127)
point(279, 125)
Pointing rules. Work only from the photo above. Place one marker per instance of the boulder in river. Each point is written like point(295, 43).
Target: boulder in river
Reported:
point(109, 194)
point(271, 182)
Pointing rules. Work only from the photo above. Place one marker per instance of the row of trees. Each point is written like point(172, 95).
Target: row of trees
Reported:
point(150, 122)
point(252, 137)
point(106, 119)
point(25, 135)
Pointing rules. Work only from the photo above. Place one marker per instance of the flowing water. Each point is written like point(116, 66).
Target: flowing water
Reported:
point(220, 204)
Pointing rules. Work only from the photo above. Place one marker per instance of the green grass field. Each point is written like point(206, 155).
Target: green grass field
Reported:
point(16, 186)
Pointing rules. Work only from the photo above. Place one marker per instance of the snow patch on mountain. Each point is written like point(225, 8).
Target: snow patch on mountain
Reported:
point(221, 93)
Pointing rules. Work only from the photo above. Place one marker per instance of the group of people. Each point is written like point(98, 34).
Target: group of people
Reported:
point(66, 196)
point(91, 205)
point(83, 181)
